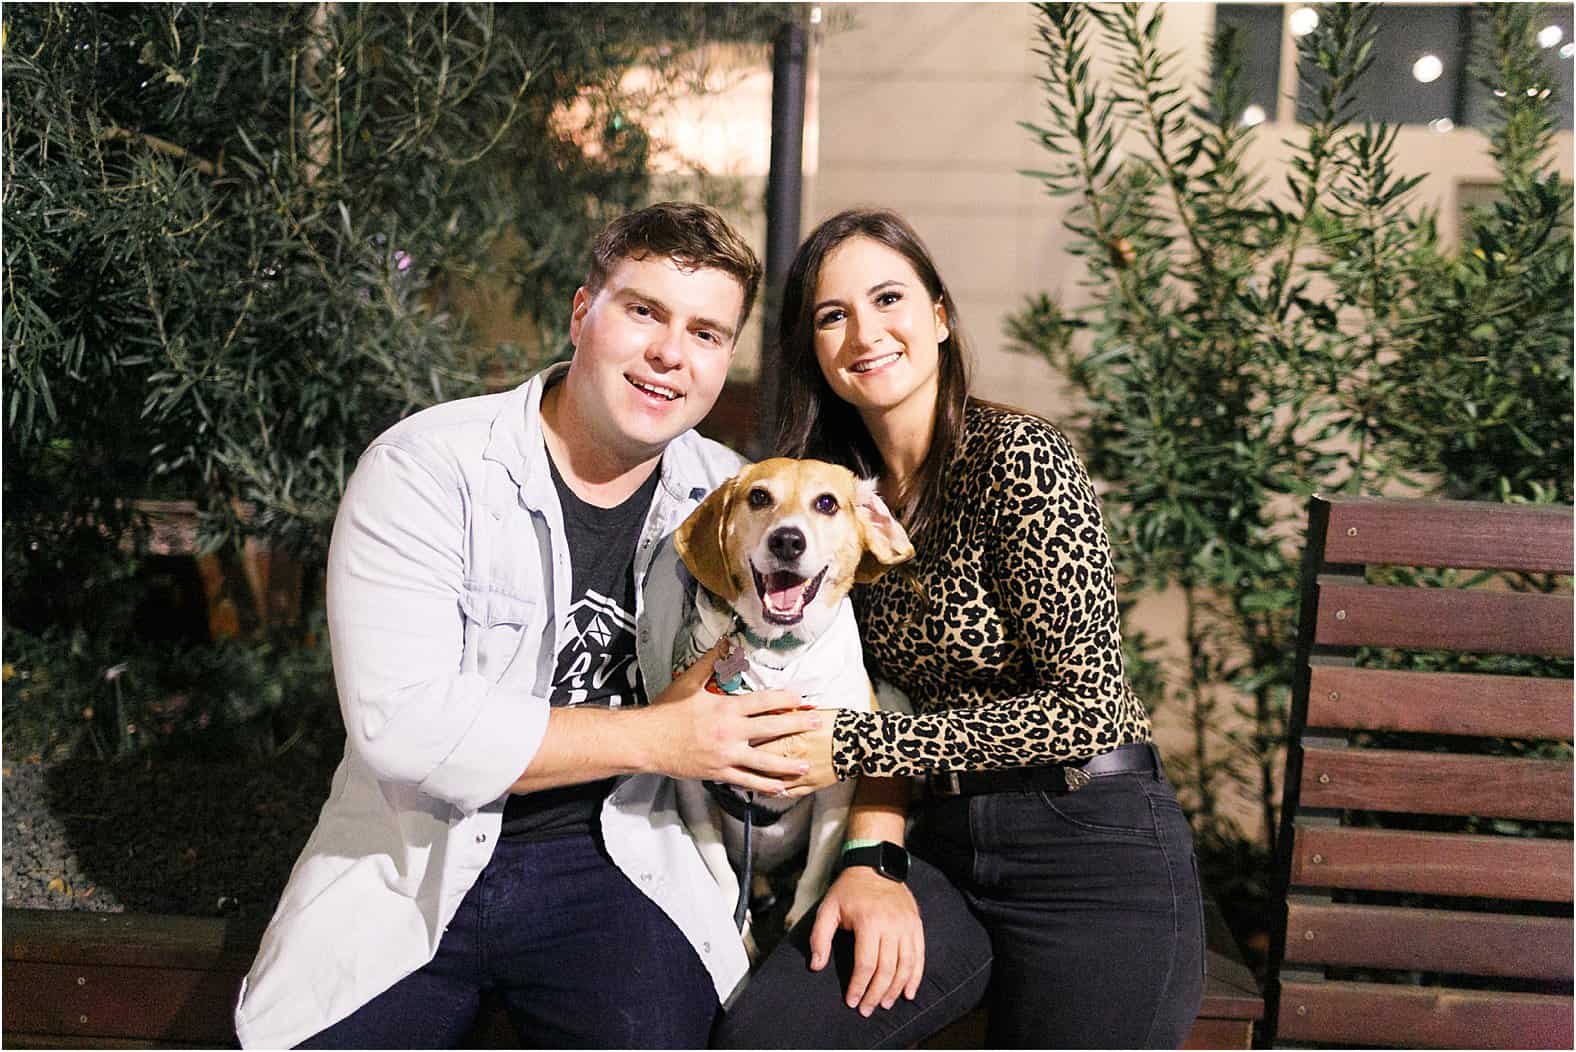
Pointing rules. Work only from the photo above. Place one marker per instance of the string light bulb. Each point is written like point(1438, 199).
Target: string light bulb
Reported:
point(1304, 20)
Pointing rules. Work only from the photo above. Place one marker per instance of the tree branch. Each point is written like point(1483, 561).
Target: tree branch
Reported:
point(164, 146)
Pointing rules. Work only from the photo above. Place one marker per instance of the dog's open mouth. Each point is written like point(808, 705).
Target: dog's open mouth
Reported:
point(784, 594)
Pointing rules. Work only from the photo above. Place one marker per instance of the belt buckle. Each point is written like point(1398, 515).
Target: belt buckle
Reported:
point(945, 783)
point(1076, 778)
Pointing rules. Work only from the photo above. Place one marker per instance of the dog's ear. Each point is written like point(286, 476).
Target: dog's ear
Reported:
point(886, 542)
point(700, 542)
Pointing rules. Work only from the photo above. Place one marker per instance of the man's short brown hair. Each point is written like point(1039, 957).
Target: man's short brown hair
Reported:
point(693, 236)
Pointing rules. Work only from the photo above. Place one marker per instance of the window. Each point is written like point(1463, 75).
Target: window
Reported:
point(1420, 73)
point(1559, 51)
point(1259, 33)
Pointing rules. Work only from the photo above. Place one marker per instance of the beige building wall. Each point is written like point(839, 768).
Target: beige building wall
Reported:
point(918, 110)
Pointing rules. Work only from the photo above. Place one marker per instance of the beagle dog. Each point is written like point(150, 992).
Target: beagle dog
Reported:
point(774, 552)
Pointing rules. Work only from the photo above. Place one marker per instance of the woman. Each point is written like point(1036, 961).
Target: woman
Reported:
point(1049, 857)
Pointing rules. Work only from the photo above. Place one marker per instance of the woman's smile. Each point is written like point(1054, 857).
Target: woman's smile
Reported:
point(875, 364)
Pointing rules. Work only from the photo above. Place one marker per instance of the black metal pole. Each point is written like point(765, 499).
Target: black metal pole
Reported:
point(784, 194)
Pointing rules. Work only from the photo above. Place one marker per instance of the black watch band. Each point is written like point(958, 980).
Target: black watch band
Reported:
point(886, 858)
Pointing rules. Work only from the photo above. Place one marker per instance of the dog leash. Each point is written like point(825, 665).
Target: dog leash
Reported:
point(729, 679)
point(740, 803)
point(741, 909)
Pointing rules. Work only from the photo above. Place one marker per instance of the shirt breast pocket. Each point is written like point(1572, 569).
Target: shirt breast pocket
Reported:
point(499, 623)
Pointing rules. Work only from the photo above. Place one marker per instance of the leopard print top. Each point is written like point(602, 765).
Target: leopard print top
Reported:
point(1003, 631)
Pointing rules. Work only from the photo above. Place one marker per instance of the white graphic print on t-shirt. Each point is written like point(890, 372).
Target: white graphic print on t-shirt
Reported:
point(596, 664)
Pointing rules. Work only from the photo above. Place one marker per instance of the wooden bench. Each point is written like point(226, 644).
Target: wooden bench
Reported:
point(1425, 848)
point(121, 980)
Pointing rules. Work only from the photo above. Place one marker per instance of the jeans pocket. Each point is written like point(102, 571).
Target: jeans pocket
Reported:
point(1114, 805)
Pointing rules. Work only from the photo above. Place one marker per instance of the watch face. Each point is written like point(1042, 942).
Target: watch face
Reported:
point(894, 861)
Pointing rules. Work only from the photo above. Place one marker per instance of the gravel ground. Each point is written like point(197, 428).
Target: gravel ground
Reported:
point(166, 836)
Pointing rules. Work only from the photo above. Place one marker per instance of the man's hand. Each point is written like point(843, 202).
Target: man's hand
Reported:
point(889, 940)
point(696, 734)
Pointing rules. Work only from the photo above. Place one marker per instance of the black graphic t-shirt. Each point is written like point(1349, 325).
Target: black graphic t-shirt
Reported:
point(596, 648)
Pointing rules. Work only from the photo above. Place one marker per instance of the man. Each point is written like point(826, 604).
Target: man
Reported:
point(487, 602)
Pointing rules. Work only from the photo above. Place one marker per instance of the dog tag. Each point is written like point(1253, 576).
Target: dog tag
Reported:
point(729, 670)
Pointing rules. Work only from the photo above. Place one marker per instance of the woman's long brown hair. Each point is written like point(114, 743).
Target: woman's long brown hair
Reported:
point(815, 421)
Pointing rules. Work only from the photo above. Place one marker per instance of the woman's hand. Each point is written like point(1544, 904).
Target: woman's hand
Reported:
point(889, 940)
point(812, 749)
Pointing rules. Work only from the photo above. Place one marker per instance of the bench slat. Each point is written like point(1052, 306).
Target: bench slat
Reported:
point(1433, 783)
point(1352, 615)
point(1369, 1014)
point(1429, 940)
point(89, 1001)
point(21, 1040)
point(1215, 1033)
point(1439, 702)
point(133, 939)
point(1465, 534)
point(1432, 864)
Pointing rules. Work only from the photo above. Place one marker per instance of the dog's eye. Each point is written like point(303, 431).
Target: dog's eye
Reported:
point(826, 504)
point(759, 498)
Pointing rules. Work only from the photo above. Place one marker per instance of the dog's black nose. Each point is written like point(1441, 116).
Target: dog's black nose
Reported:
point(787, 543)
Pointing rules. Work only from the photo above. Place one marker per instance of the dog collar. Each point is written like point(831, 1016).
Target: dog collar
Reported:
point(788, 641)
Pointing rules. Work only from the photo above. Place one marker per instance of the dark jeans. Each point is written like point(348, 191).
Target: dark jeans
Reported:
point(578, 955)
point(1079, 911)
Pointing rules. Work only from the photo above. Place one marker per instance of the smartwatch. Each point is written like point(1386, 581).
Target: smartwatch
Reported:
point(886, 858)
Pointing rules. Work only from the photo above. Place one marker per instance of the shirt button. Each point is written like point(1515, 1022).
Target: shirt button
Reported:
point(705, 947)
point(481, 838)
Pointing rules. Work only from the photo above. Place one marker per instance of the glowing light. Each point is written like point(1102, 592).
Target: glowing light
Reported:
point(1548, 36)
point(1304, 20)
point(1428, 69)
point(1568, 50)
point(1253, 115)
point(815, 16)
point(1442, 124)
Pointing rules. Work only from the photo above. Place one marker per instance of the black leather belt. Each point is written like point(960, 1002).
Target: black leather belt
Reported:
point(1056, 778)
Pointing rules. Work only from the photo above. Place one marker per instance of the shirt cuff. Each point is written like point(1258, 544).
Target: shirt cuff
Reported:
point(495, 751)
point(851, 733)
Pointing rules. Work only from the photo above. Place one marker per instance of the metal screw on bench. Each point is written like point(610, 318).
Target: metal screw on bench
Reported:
point(1302, 1009)
point(1308, 935)
point(1317, 859)
point(82, 980)
point(1324, 779)
point(1340, 615)
point(1335, 695)
point(1351, 531)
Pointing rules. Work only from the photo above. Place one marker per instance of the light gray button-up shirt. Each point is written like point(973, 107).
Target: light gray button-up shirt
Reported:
point(448, 585)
